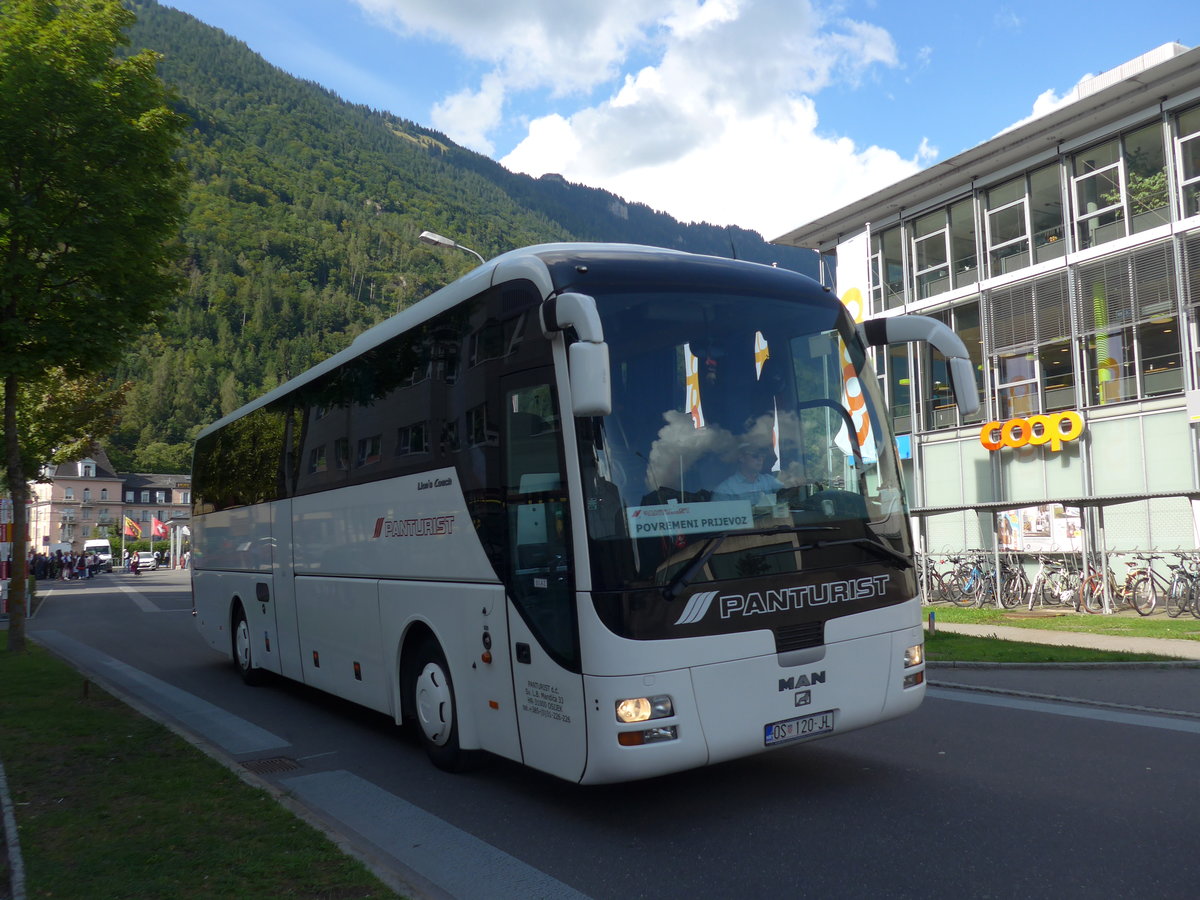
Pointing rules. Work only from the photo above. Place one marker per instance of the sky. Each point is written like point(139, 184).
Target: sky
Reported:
point(764, 114)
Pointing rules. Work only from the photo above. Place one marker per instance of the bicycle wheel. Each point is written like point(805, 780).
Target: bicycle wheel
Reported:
point(1016, 587)
point(1091, 593)
point(986, 593)
point(1194, 596)
point(1143, 594)
point(962, 587)
point(1178, 595)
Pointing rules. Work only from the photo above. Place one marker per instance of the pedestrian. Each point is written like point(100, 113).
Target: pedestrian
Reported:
point(133, 565)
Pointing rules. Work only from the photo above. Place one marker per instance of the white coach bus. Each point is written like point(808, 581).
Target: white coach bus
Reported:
point(609, 511)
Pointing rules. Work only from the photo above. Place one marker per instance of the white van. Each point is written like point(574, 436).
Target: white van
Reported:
point(103, 551)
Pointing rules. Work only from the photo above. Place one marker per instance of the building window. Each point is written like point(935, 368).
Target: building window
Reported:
point(87, 495)
point(1121, 181)
point(129, 497)
point(1096, 187)
point(931, 253)
point(1007, 227)
point(964, 258)
point(887, 270)
point(103, 493)
point(369, 449)
point(341, 453)
point(316, 460)
point(145, 497)
point(1016, 384)
point(1128, 307)
point(941, 410)
point(1046, 213)
point(68, 493)
point(412, 439)
point(1146, 178)
point(1188, 126)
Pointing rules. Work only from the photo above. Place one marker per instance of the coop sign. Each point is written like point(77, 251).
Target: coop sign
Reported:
point(1053, 429)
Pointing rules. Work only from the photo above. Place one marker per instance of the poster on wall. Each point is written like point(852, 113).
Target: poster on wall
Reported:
point(1050, 528)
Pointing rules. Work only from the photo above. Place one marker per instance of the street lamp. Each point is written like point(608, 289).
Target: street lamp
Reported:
point(438, 240)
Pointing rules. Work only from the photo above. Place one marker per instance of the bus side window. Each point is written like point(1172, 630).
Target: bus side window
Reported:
point(540, 582)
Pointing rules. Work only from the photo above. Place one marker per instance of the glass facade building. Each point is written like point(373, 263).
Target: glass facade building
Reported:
point(1066, 254)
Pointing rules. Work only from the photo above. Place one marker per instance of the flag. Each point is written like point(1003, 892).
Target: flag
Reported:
point(132, 528)
point(158, 529)
point(691, 400)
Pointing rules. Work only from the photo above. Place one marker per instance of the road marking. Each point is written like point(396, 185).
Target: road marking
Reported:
point(455, 861)
point(229, 732)
point(1119, 717)
point(143, 603)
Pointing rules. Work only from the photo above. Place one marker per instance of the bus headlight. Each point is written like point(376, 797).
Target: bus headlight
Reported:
point(642, 709)
point(914, 656)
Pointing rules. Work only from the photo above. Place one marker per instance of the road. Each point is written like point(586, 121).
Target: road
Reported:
point(977, 794)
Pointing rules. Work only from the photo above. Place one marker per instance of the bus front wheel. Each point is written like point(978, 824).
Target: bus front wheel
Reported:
point(243, 653)
point(431, 691)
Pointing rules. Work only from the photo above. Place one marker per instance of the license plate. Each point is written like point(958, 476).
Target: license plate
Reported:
point(798, 728)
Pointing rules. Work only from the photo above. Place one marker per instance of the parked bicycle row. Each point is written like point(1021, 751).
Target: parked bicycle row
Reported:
point(1152, 581)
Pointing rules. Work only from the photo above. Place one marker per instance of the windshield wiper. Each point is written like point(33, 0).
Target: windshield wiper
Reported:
point(880, 548)
point(684, 577)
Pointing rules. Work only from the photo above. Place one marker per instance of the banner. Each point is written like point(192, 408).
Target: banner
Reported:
point(132, 528)
point(853, 287)
point(158, 529)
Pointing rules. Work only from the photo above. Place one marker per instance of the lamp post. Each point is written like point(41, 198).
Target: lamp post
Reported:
point(438, 240)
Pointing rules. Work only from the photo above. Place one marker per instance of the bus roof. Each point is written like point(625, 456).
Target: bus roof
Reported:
point(531, 263)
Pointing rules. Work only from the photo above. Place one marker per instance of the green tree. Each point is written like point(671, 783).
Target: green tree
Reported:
point(90, 197)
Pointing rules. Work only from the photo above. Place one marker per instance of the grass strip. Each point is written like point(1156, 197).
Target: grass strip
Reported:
point(945, 646)
point(112, 804)
point(1124, 624)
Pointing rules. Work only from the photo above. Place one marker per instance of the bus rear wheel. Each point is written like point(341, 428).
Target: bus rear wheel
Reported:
point(431, 691)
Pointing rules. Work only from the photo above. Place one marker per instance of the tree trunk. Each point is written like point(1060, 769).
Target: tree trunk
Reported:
point(18, 489)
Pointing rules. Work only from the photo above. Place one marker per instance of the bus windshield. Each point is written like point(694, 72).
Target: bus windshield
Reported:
point(746, 431)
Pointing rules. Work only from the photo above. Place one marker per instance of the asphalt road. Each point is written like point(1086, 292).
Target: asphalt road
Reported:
point(978, 794)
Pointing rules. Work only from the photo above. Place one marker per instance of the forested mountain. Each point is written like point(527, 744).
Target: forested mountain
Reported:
point(303, 216)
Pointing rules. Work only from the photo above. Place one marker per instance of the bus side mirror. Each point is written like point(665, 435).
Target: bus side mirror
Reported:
point(906, 329)
point(587, 358)
point(591, 392)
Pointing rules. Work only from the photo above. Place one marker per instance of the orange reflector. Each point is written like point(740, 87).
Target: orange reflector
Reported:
point(493, 704)
point(631, 738)
point(487, 656)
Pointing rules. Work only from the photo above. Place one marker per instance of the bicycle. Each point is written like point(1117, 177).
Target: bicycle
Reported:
point(1093, 587)
point(965, 580)
point(1143, 584)
point(1185, 582)
point(933, 583)
point(1055, 583)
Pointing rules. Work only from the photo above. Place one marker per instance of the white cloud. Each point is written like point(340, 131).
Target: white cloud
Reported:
point(705, 106)
point(1048, 101)
point(468, 116)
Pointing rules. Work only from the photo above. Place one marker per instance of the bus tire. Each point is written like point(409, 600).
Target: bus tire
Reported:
point(434, 707)
point(243, 653)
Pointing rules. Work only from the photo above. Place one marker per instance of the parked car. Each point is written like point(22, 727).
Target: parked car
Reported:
point(145, 560)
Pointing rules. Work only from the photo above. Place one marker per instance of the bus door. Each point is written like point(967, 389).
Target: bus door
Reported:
point(543, 634)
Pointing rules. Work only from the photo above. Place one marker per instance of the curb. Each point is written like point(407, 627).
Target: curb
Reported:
point(12, 842)
point(402, 881)
point(1079, 701)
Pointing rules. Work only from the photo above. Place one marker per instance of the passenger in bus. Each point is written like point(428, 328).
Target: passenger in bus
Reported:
point(749, 482)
